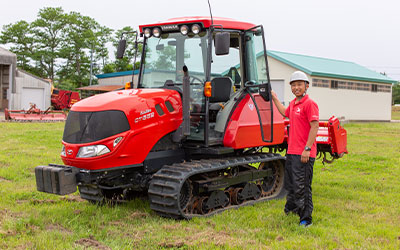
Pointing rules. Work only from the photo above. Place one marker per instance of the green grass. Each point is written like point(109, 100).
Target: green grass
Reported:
point(356, 204)
point(395, 113)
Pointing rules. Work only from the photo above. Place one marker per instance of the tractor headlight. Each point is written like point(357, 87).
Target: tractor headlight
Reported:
point(92, 151)
point(156, 32)
point(63, 151)
point(196, 29)
point(184, 30)
point(147, 33)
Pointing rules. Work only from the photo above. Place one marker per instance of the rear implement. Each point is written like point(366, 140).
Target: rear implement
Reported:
point(34, 114)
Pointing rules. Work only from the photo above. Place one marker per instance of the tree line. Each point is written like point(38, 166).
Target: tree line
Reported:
point(59, 46)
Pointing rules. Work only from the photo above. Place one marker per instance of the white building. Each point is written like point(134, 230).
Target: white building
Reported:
point(19, 88)
point(340, 88)
point(117, 78)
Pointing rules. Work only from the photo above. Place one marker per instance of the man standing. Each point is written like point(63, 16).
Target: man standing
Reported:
point(303, 117)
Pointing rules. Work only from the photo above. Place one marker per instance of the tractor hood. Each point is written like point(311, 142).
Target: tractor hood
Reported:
point(135, 103)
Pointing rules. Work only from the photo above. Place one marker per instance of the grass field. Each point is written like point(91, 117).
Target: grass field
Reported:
point(356, 204)
point(395, 113)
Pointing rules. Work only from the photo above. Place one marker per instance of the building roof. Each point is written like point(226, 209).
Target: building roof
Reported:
point(129, 72)
point(21, 71)
point(7, 57)
point(103, 88)
point(115, 74)
point(324, 67)
point(4, 52)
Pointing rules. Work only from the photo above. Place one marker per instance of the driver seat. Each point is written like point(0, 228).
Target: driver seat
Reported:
point(221, 89)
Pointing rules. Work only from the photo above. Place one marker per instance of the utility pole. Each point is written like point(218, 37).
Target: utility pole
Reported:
point(91, 65)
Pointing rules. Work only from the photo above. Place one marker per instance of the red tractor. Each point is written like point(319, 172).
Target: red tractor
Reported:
point(64, 99)
point(199, 135)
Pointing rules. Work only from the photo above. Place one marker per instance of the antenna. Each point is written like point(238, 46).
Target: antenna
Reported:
point(209, 6)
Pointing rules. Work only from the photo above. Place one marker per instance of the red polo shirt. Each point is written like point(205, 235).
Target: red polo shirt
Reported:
point(300, 115)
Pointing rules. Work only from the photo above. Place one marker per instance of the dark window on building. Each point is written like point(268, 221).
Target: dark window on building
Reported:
point(334, 84)
point(4, 93)
point(374, 88)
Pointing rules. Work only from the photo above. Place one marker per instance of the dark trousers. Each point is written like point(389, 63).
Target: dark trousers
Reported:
point(298, 179)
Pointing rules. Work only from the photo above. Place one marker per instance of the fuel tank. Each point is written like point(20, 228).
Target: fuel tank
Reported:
point(119, 128)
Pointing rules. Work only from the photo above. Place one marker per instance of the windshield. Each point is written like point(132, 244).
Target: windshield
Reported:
point(165, 57)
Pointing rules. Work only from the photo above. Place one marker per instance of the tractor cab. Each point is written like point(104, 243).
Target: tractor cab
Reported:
point(222, 61)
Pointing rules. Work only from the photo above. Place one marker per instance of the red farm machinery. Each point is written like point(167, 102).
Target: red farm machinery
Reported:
point(60, 100)
point(199, 135)
point(34, 114)
point(64, 99)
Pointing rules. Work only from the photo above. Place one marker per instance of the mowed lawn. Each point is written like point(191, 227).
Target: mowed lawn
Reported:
point(395, 113)
point(356, 204)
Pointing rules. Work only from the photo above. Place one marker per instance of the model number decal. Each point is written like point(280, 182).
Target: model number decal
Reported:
point(144, 117)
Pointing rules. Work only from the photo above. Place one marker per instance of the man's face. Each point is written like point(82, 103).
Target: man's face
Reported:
point(299, 88)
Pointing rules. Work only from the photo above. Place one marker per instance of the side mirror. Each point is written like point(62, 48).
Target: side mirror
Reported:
point(222, 42)
point(121, 48)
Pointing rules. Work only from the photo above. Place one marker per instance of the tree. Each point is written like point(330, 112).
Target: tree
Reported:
point(48, 36)
point(126, 63)
point(396, 93)
point(103, 36)
point(166, 58)
point(58, 45)
point(19, 35)
point(82, 34)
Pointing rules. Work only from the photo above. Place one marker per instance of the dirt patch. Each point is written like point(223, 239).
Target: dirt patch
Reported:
point(194, 237)
point(24, 246)
point(2, 179)
point(91, 243)
point(77, 212)
point(279, 238)
point(177, 244)
point(138, 214)
point(7, 232)
point(7, 213)
point(4, 164)
point(116, 223)
point(39, 202)
point(171, 227)
point(210, 223)
point(73, 198)
point(59, 228)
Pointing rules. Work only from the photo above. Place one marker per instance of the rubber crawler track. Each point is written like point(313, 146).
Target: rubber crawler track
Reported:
point(166, 184)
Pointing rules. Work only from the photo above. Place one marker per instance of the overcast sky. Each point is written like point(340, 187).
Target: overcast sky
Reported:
point(366, 32)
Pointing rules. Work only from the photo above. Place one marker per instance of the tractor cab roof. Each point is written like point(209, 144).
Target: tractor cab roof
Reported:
point(227, 23)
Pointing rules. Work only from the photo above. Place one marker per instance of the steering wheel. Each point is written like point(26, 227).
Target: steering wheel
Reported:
point(193, 78)
point(250, 83)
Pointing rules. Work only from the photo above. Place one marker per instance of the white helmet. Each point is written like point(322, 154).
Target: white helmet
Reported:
point(299, 76)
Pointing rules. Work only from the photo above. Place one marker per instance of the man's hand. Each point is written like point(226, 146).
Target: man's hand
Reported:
point(278, 104)
point(274, 96)
point(305, 156)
